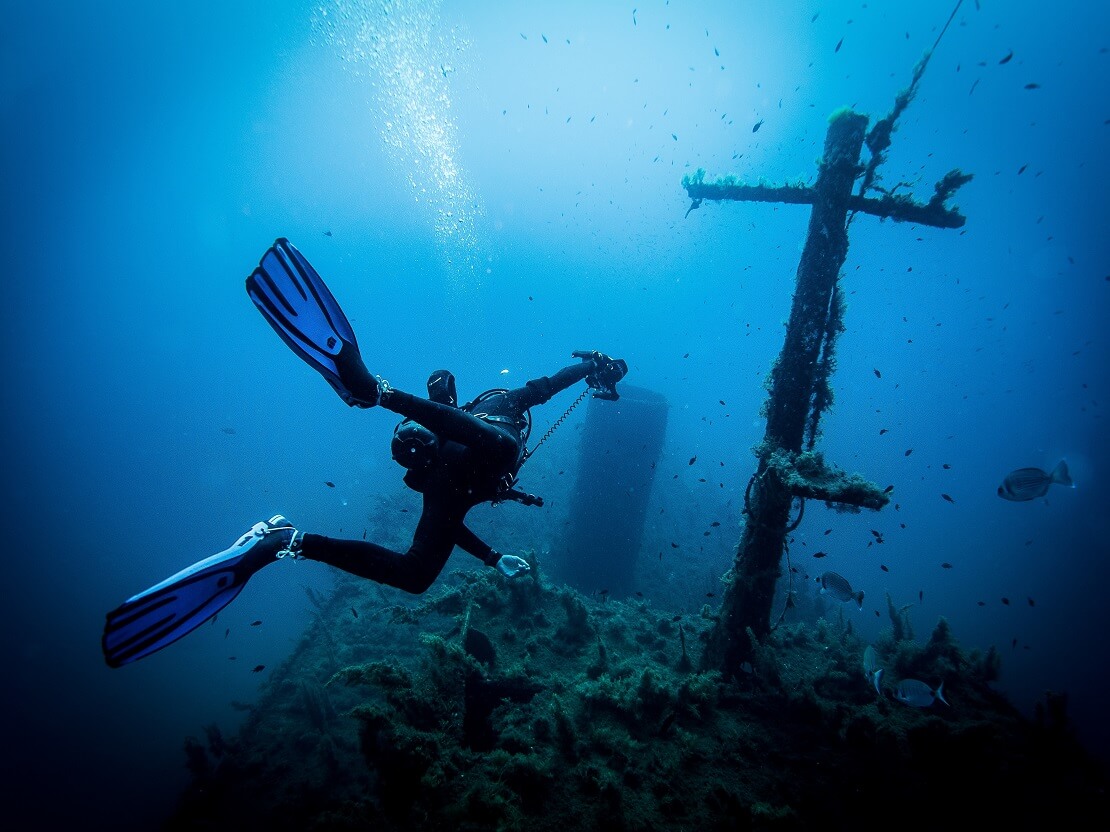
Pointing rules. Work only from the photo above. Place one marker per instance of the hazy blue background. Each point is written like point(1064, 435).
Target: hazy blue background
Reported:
point(497, 200)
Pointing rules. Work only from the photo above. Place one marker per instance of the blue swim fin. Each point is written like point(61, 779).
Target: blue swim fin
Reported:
point(301, 309)
point(159, 616)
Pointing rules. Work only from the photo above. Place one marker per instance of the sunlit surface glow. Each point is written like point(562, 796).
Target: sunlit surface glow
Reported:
point(401, 49)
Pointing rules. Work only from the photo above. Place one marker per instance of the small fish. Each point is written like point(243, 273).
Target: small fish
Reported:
point(1031, 603)
point(878, 374)
point(1006, 601)
point(888, 489)
point(329, 483)
point(820, 554)
point(946, 565)
point(715, 523)
point(710, 595)
point(910, 451)
point(1007, 59)
point(882, 431)
point(227, 632)
point(256, 623)
point(838, 587)
point(258, 668)
point(946, 466)
point(828, 531)
point(354, 612)
point(919, 694)
point(327, 233)
point(1032, 86)
point(871, 667)
point(839, 43)
point(228, 431)
point(757, 125)
point(504, 372)
point(693, 459)
point(949, 499)
point(1031, 483)
point(883, 567)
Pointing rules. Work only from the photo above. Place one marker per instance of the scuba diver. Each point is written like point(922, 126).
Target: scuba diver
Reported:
point(456, 456)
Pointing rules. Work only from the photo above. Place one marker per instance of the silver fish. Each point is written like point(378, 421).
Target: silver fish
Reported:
point(871, 667)
point(1031, 483)
point(839, 588)
point(919, 694)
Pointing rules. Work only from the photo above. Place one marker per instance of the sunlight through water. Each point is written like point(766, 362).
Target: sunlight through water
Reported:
point(401, 49)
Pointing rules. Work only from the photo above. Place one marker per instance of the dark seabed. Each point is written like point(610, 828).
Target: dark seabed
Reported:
point(487, 188)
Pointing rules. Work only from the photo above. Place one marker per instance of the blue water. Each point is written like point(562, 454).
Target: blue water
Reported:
point(502, 186)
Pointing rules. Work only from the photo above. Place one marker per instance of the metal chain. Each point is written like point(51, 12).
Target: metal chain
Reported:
point(559, 421)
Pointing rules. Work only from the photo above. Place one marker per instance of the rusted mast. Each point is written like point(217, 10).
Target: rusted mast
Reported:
point(799, 388)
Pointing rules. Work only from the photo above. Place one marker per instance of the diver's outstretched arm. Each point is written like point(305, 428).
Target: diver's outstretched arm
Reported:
point(599, 370)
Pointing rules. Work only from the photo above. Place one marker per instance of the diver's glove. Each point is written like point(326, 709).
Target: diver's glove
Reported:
point(606, 373)
point(512, 567)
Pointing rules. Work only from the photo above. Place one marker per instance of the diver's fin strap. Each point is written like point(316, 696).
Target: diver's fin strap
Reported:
point(292, 549)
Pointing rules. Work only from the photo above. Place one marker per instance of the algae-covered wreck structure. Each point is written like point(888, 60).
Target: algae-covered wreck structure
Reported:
point(526, 706)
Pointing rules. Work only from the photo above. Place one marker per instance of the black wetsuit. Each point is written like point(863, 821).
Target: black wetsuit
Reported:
point(475, 456)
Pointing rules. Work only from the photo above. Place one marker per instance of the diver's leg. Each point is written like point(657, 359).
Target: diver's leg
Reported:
point(453, 424)
point(413, 571)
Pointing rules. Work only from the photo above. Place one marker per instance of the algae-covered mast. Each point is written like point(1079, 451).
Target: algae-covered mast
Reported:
point(789, 468)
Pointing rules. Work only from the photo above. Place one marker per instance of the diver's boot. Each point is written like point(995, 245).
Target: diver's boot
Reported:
point(385, 392)
point(269, 540)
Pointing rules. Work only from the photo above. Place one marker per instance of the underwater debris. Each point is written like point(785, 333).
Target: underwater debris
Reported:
point(471, 718)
